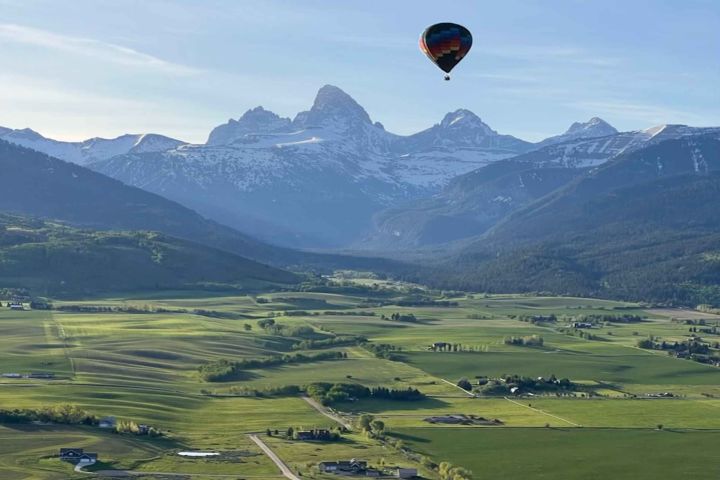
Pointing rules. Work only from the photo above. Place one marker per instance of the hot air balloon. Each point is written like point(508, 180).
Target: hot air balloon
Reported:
point(445, 44)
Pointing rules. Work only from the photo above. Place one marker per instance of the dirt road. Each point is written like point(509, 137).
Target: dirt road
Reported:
point(281, 465)
point(324, 411)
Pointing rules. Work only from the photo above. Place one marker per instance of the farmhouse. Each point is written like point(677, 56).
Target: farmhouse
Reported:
point(360, 468)
point(77, 455)
point(344, 467)
point(16, 306)
point(582, 325)
point(439, 346)
point(41, 375)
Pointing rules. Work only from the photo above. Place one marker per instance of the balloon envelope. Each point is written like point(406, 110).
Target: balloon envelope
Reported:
point(446, 44)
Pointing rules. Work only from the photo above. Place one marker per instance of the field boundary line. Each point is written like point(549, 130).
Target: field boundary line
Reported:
point(66, 348)
point(324, 411)
point(469, 394)
point(273, 456)
point(542, 411)
point(537, 427)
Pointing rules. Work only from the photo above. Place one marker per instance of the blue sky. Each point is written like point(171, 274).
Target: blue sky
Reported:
point(83, 68)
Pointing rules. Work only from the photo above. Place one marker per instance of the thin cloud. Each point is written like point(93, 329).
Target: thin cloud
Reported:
point(29, 92)
point(108, 52)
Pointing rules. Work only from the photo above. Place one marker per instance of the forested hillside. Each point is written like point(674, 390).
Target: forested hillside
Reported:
point(53, 259)
point(643, 227)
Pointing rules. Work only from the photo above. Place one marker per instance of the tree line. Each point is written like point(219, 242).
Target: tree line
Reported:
point(329, 393)
point(224, 370)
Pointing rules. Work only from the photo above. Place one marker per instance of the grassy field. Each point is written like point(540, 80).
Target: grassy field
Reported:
point(141, 363)
point(569, 454)
point(622, 369)
point(29, 452)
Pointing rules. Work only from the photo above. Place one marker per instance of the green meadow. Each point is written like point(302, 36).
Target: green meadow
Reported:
point(569, 454)
point(139, 361)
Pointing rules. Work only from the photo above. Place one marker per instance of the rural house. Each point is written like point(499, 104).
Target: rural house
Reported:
point(344, 467)
point(77, 455)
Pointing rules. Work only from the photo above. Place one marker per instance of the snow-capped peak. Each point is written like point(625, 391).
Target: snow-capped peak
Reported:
point(595, 127)
point(332, 105)
point(467, 120)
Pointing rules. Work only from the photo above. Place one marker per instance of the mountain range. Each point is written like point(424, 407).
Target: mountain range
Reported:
point(474, 202)
point(642, 226)
point(39, 186)
point(592, 211)
point(331, 176)
point(315, 180)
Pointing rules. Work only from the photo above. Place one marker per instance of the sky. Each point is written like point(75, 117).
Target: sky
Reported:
point(76, 69)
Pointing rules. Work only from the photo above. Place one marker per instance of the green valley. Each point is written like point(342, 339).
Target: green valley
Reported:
point(139, 358)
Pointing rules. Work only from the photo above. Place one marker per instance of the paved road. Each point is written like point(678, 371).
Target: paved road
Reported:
point(281, 465)
point(324, 411)
point(137, 473)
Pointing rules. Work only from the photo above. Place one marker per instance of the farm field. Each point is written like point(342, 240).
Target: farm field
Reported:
point(537, 412)
point(569, 454)
point(138, 357)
